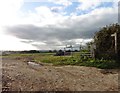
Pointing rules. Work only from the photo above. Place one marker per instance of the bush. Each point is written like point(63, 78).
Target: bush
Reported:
point(103, 64)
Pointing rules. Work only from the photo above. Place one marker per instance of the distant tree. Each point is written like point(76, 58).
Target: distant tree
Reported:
point(59, 53)
point(68, 50)
point(31, 51)
point(54, 51)
point(76, 50)
point(50, 51)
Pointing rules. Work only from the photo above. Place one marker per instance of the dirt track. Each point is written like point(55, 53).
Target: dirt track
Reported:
point(21, 76)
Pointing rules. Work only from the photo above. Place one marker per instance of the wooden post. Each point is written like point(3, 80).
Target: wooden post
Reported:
point(115, 35)
point(116, 43)
point(116, 51)
point(71, 50)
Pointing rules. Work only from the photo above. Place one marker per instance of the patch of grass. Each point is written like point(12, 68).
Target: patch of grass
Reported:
point(67, 60)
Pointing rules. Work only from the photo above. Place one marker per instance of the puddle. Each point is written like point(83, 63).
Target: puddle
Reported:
point(33, 63)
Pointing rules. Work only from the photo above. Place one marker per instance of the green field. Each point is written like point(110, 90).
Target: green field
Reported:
point(65, 60)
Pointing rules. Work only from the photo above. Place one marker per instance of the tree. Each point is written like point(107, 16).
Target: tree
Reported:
point(50, 51)
point(105, 47)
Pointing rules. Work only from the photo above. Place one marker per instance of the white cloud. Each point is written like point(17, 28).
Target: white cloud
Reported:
point(85, 4)
point(8, 42)
point(62, 2)
point(42, 16)
point(9, 10)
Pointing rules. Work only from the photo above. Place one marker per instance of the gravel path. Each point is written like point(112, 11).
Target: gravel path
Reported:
point(23, 76)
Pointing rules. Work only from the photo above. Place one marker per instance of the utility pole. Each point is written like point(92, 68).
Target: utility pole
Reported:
point(64, 51)
point(71, 50)
point(80, 46)
point(71, 47)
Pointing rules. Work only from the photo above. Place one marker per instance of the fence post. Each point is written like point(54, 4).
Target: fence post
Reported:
point(116, 51)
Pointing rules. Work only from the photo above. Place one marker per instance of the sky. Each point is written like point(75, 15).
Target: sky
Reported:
point(52, 24)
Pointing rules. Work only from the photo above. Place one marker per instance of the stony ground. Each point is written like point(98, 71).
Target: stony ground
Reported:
point(22, 76)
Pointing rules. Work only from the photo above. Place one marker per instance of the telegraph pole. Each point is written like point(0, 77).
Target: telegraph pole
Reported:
point(80, 46)
point(71, 50)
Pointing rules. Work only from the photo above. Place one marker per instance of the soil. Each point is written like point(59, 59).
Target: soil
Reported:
point(18, 75)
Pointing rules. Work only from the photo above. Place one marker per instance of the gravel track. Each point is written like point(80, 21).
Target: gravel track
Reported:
point(21, 76)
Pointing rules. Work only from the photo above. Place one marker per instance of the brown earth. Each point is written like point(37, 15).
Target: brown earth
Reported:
point(22, 76)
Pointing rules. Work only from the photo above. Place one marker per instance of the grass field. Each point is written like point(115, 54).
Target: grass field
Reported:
point(65, 60)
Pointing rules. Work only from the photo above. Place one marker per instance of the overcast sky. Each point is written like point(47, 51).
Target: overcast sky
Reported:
point(52, 24)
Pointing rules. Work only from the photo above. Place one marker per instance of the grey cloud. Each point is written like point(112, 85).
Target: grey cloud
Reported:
point(27, 41)
point(32, 32)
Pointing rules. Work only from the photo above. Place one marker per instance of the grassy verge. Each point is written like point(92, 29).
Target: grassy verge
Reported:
point(103, 64)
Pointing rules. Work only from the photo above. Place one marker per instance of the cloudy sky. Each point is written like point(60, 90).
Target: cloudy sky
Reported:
point(52, 24)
